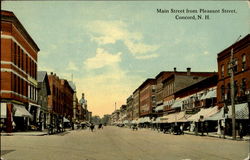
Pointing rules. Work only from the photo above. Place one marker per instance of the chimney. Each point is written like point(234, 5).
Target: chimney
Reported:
point(174, 69)
point(188, 71)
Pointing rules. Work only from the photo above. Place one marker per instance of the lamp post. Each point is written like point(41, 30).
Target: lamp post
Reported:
point(232, 62)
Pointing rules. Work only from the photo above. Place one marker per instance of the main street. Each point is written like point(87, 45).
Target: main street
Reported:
point(113, 143)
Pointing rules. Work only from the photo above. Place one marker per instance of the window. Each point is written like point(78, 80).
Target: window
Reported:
point(222, 71)
point(243, 86)
point(14, 56)
point(235, 67)
point(235, 88)
point(228, 91)
point(243, 62)
point(222, 92)
point(228, 69)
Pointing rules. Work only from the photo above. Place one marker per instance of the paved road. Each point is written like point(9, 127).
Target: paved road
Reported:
point(113, 143)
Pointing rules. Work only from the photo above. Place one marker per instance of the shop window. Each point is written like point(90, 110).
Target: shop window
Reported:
point(243, 62)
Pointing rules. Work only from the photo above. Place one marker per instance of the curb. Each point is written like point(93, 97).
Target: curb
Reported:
point(217, 136)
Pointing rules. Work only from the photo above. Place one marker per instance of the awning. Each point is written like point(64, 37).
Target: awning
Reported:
point(159, 108)
point(144, 120)
point(65, 119)
point(241, 111)
point(125, 122)
point(134, 121)
point(217, 116)
point(177, 103)
point(205, 112)
point(210, 94)
point(3, 110)
point(36, 105)
point(20, 111)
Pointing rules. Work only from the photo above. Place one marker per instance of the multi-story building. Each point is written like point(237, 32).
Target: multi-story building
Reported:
point(136, 104)
point(241, 74)
point(18, 73)
point(147, 98)
point(177, 81)
point(60, 102)
point(43, 93)
point(241, 70)
point(130, 108)
point(67, 95)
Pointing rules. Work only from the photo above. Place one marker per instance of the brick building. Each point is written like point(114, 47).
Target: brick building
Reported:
point(136, 104)
point(147, 98)
point(177, 81)
point(241, 69)
point(18, 74)
point(60, 102)
point(130, 108)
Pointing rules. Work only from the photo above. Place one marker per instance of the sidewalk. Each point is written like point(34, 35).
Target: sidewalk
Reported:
point(31, 133)
point(214, 134)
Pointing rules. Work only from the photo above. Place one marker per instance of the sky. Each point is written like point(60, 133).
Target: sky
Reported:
point(112, 47)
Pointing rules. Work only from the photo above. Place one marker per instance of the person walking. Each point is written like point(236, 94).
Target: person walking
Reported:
point(92, 127)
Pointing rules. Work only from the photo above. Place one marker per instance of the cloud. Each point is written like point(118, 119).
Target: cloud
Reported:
point(109, 32)
point(140, 48)
point(147, 56)
point(205, 52)
point(102, 59)
point(72, 66)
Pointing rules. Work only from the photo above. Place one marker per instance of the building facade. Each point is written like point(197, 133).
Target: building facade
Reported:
point(177, 81)
point(43, 93)
point(18, 74)
point(147, 98)
point(130, 108)
point(136, 104)
point(241, 69)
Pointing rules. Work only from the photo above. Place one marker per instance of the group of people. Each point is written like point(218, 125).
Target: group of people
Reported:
point(92, 126)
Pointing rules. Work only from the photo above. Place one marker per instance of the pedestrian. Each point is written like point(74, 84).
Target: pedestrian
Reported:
point(241, 131)
point(181, 129)
point(92, 127)
point(206, 127)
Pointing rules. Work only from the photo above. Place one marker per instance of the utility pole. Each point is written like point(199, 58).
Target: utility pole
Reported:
point(232, 62)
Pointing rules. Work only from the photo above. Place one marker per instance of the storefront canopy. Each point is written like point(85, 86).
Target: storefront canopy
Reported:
point(177, 103)
point(217, 116)
point(3, 110)
point(204, 112)
point(210, 94)
point(20, 111)
point(65, 119)
point(241, 111)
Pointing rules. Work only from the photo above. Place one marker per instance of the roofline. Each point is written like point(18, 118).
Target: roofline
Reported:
point(234, 45)
point(10, 16)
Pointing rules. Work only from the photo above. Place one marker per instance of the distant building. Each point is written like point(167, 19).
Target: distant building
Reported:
point(177, 81)
point(130, 108)
point(18, 74)
point(43, 93)
point(147, 98)
point(136, 104)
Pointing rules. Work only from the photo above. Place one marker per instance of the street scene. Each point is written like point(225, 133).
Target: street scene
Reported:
point(119, 144)
point(125, 81)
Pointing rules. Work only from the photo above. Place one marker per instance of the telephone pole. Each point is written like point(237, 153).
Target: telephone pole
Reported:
point(232, 62)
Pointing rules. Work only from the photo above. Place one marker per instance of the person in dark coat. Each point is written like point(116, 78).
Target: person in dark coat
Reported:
point(92, 127)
